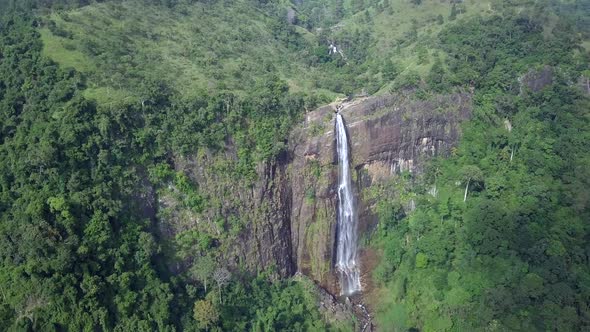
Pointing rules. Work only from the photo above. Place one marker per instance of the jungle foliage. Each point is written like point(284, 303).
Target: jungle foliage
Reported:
point(98, 102)
point(499, 237)
point(79, 247)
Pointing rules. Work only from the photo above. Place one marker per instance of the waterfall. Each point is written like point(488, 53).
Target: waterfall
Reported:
point(346, 255)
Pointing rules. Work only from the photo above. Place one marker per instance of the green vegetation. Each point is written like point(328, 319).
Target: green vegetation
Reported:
point(502, 246)
point(194, 48)
point(80, 249)
point(203, 47)
point(117, 118)
point(76, 251)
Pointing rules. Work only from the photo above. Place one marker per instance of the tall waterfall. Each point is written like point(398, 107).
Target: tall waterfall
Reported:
point(346, 255)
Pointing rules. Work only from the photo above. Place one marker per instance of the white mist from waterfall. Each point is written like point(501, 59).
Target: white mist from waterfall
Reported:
point(346, 254)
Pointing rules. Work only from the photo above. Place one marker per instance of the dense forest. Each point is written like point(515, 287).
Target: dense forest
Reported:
point(502, 245)
point(79, 250)
point(101, 101)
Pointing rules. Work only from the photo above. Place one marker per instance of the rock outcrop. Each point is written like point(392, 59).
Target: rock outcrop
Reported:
point(388, 135)
point(536, 80)
point(255, 214)
point(288, 215)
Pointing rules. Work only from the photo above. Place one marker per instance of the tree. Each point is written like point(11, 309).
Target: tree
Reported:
point(203, 269)
point(390, 71)
point(470, 173)
point(437, 77)
point(222, 277)
point(339, 9)
point(358, 5)
point(421, 260)
point(205, 313)
point(454, 12)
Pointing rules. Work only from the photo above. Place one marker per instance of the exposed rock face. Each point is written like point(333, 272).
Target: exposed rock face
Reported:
point(330, 308)
point(265, 238)
point(584, 84)
point(263, 207)
point(289, 213)
point(536, 80)
point(291, 16)
point(388, 135)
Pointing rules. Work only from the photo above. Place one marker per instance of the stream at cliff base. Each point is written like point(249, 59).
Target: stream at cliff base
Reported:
point(346, 254)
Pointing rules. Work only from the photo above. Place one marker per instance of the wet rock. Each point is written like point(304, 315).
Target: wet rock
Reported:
point(331, 309)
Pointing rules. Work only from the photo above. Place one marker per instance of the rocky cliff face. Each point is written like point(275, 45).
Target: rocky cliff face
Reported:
point(388, 135)
point(289, 213)
point(251, 220)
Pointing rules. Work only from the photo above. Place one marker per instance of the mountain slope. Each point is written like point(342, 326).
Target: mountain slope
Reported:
point(202, 47)
point(161, 167)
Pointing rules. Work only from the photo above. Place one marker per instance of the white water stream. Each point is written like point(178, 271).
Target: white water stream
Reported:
point(346, 254)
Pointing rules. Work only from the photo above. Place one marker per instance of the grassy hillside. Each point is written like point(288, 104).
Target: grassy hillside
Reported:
point(196, 48)
point(210, 46)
